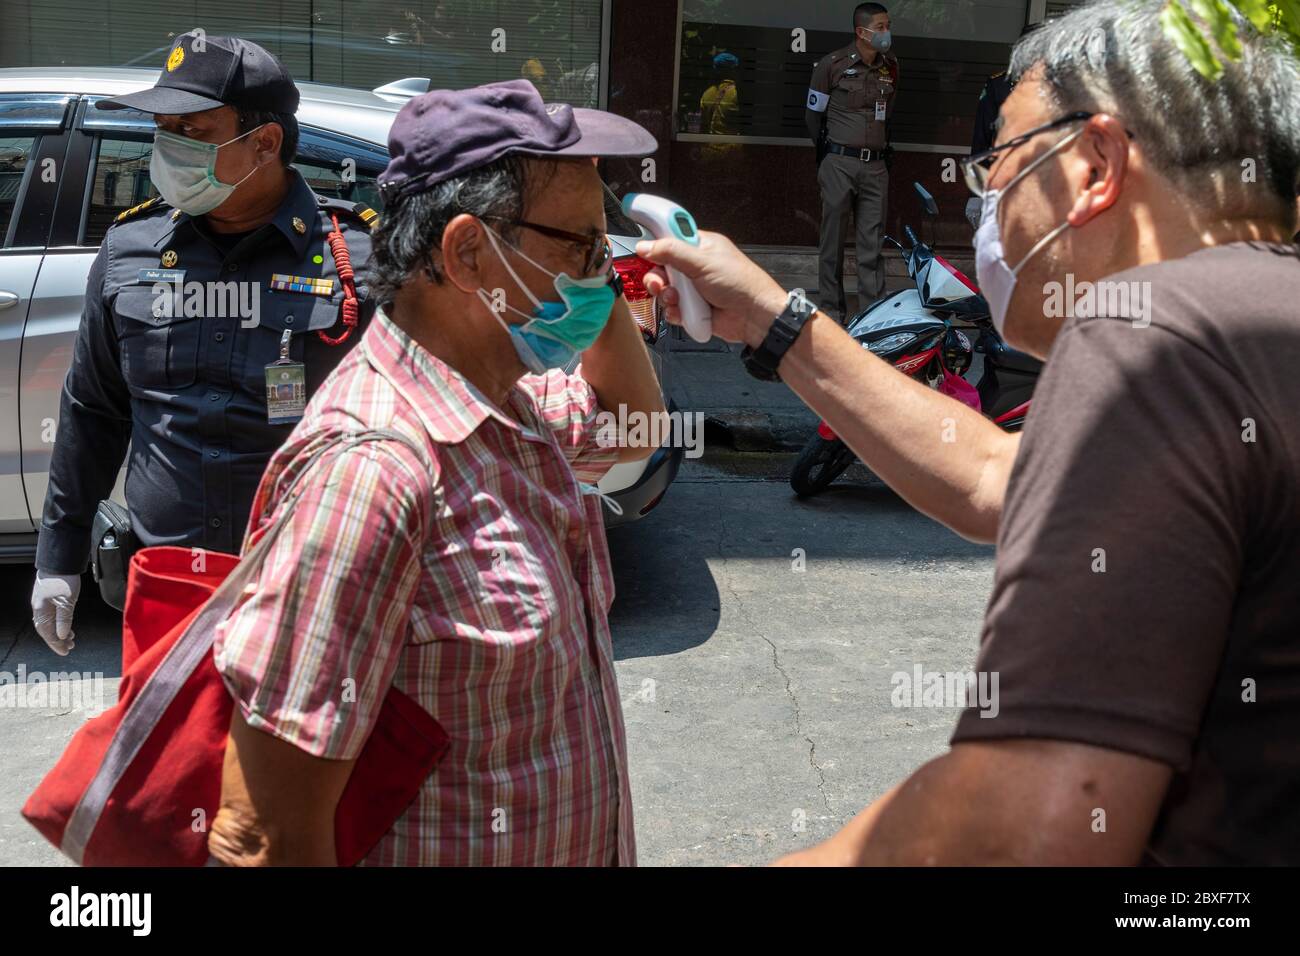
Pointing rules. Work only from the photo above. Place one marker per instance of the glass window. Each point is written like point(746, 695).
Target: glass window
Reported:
point(744, 72)
point(33, 110)
point(120, 181)
point(15, 158)
point(356, 43)
point(339, 167)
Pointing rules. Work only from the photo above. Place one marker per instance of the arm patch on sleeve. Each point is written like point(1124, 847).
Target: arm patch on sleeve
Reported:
point(817, 101)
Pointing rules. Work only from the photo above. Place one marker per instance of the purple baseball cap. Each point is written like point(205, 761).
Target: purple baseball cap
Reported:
point(443, 133)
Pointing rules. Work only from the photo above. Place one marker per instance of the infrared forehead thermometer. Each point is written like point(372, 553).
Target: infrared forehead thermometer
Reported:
point(667, 220)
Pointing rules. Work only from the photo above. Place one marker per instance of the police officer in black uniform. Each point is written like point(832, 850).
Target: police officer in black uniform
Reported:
point(212, 314)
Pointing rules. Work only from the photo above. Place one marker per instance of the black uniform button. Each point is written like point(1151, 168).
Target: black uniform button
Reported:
point(213, 397)
point(214, 454)
point(233, 267)
point(220, 336)
point(216, 522)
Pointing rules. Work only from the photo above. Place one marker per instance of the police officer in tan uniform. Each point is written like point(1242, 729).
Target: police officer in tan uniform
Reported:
point(850, 102)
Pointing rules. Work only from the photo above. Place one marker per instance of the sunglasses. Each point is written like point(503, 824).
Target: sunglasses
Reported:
point(976, 169)
point(598, 252)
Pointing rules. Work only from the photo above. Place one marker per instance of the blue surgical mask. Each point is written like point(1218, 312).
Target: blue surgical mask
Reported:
point(556, 332)
point(185, 172)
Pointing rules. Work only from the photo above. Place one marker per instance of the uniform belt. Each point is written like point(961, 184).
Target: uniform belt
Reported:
point(866, 155)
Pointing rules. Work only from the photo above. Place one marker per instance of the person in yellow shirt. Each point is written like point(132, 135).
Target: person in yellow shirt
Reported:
point(720, 104)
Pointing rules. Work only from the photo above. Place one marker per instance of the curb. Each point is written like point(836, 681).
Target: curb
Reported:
point(759, 431)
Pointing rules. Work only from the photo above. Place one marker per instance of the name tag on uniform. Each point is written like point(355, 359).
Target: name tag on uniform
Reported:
point(150, 276)
point(285, 283)
point(880, 110)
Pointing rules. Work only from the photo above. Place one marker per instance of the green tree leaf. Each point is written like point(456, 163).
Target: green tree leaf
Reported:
point(1258, 12)
point(1218, 17)
point(1180, 29)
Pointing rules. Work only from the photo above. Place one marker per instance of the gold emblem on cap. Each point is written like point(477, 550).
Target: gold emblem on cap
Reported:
point(177, 57)
point(168, 259)
point(176, 214)
point(299, 226)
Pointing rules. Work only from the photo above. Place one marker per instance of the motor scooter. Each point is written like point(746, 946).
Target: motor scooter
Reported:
point(938, 332)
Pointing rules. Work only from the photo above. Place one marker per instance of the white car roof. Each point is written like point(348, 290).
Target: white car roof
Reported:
point(360, 113)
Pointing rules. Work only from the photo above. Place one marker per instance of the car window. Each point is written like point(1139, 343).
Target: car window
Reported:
point(15, 156)
point(333, 165)
point(121, 180)
point(341, 167)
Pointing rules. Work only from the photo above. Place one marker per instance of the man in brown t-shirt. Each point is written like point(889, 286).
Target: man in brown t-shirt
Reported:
point(1143, 638)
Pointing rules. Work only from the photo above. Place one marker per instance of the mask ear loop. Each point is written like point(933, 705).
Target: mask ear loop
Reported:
point(1034, 250)
point(492, 238)
point(212, 170)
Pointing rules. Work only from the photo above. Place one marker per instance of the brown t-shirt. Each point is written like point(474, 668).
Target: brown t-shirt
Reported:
point(1169, 455)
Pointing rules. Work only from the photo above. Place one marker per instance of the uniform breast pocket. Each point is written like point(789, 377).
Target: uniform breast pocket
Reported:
point(884, 89)
point(300, 312)
point(297, 313)
point(854, 87)
point(158, 343)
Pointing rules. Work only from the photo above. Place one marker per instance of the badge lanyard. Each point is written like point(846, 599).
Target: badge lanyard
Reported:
point(286, 387)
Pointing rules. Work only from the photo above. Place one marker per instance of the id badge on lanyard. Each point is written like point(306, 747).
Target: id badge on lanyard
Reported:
point(286, 387)
point(880, 110)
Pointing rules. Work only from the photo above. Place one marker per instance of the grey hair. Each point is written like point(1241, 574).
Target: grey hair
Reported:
point(1112, 56)
point(409, 238)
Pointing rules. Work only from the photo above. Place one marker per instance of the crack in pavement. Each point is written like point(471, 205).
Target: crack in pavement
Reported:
point(776, 663)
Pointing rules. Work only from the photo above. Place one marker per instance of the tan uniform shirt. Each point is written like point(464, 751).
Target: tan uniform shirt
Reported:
point(845, 92)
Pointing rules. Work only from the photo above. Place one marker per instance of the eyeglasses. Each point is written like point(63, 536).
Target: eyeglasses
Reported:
point(975, 169)
point(598, 252)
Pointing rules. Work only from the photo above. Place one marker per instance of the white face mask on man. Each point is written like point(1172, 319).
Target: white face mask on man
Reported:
point(185, 172)
point(996, 278)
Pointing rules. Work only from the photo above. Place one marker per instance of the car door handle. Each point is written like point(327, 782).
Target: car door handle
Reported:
point(8, 299)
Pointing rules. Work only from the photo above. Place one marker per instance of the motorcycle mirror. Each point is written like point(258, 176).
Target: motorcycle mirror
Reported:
point(928, 204)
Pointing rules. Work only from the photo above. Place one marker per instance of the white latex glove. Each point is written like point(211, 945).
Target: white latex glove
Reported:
point(53, 598)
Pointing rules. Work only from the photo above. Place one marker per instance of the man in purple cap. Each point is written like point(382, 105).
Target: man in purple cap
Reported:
point(465, 562)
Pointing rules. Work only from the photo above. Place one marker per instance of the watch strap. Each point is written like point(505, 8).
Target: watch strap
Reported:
point(764, 361)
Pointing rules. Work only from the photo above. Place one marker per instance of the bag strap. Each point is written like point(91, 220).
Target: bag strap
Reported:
point(158, 692)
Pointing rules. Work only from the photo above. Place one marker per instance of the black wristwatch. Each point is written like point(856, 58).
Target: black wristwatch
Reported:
point(616, 280)
point(762, 362)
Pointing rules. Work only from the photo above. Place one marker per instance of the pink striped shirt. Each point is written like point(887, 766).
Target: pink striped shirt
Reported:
point(476, 581)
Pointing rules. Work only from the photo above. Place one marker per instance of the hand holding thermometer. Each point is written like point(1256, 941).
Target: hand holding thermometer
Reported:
point(667, 220)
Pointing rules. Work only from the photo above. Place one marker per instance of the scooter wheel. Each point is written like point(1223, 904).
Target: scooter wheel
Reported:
point(819, 464)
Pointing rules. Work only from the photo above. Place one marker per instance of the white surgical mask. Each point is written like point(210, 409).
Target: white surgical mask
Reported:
point(996, 278)
point(185, 172)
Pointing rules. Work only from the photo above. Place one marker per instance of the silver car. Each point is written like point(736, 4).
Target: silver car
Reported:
point(67, 169)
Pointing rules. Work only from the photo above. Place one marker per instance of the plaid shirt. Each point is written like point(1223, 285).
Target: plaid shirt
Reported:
point(476, 581)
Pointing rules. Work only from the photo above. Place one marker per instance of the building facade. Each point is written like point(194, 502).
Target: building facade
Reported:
point(720, 83)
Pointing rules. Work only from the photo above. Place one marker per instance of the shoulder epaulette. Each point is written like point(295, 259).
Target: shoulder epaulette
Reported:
point(357, 210)
point(136, 210)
